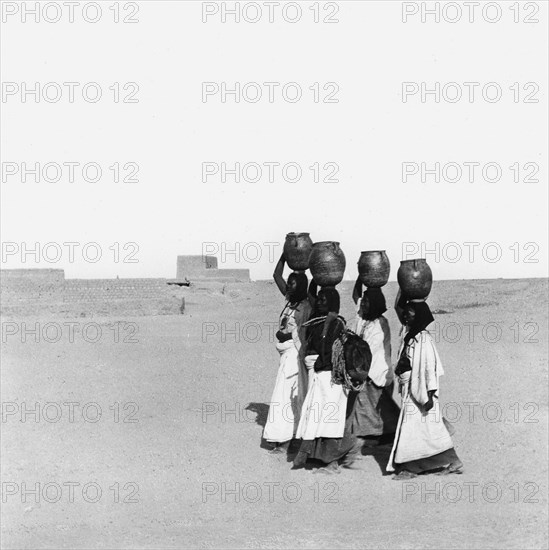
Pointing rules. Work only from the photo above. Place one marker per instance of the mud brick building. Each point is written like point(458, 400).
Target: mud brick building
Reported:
point(204, 268)
point(46, 291)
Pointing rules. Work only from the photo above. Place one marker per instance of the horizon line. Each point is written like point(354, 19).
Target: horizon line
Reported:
point(253, 280)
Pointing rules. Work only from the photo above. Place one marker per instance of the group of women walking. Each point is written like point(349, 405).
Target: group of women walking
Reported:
point(331, 421)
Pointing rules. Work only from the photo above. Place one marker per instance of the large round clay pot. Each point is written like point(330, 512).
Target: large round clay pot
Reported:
point(327, 263)
point(415, 278)
point(297, 249)
point(374, 268)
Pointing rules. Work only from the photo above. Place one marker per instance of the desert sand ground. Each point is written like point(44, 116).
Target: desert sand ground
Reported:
point(185, 453)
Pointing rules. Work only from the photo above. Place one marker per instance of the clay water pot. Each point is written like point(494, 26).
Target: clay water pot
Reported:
point(415, 278)
point(327, 263)
point(374, 268)
point(297, 249)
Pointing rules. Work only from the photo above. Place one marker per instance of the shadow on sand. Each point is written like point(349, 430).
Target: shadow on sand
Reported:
point(380, 450)
point(262, 411)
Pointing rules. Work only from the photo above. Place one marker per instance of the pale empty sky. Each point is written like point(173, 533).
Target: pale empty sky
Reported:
point(362, 141)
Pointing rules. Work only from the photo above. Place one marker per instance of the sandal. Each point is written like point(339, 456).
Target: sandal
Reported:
point(329, 469)
point(300, 459)
point(279, 448)
point(453, 468)
point(276, 451)
point(404, 474)
point(456, 467)
point(350, 462)
point(351, 465)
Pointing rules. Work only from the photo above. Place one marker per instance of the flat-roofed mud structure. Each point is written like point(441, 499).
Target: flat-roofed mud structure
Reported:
point(26, 292)
point(203, 268)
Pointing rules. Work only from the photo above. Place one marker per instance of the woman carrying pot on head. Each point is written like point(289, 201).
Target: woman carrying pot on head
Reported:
point(374, 412)
point(291, 381)
point(422, 442)
point(323, 427)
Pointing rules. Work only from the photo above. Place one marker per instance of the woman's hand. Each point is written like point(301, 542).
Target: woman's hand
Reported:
point(403, 365)
point(430, 401)
point(429, 405)
point(310, 361)
point(283, 336)
point(401, 385)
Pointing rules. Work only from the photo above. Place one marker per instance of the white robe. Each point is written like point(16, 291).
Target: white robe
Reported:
point(285, 403)
point(290, 386)
point(377, 334)
point(420, 434)
point(324, 408)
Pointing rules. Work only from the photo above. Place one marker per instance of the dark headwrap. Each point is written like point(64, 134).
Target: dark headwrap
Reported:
point(376, 303)
point(332, 297)
point(422, 319)
point(301, 287)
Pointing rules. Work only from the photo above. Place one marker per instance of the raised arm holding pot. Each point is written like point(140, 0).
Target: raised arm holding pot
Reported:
point(357, 291)
point(400, 302)
point(278, 275)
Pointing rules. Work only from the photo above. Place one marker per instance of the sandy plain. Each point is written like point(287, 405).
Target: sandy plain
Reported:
point(177, 453)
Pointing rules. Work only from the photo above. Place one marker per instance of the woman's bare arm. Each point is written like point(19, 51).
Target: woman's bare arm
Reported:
point(357, 290)
point(312, 292)
point(278, 275)
point(399, 306)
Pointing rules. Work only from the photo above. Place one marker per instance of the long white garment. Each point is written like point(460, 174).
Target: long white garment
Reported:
point(294, 320)
point(420, 434)
point(291, 382)
point(378, 336)
point(285, 403)
point(324, 408)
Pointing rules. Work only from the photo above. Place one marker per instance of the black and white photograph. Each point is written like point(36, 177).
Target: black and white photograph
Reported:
point(274, 274)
